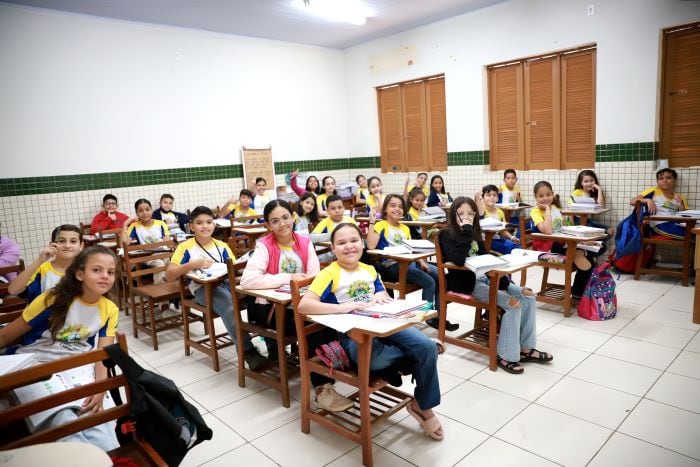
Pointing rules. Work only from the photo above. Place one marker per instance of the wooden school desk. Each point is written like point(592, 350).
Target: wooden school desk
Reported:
point(583, 214)
point(424, 225)
point(285, 367)
point(509, 211)
point(387, 400)
point(558, 294)
point(212, 342)
point(685, 245)
point(490, 231)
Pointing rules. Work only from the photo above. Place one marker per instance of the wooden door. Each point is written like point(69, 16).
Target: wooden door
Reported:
point(542, 124)
point(506, 116)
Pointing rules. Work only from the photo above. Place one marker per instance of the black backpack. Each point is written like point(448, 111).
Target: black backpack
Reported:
point(159, 413)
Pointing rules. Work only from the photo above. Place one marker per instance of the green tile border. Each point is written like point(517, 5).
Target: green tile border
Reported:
point(646, 151)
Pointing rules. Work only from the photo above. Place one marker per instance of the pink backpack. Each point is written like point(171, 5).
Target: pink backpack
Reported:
point(599, 301)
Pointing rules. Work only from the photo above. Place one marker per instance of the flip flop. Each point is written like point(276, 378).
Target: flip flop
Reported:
point(513, 368)
point(542, 357)
point(430, 426)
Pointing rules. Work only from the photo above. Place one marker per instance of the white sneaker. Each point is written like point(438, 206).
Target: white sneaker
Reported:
point(329, 399)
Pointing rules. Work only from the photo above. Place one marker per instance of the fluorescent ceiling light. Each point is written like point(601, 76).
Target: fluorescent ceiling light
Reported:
point(345, 11)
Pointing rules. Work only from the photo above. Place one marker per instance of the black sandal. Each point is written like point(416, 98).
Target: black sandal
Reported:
point(510, 367)
point(449, 326)
point(542, 357)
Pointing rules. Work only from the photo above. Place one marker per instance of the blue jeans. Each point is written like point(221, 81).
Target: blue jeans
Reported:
point(409, 343)
point(223, 306)
point(102, 436)
point(518, 322)
point(426, 280)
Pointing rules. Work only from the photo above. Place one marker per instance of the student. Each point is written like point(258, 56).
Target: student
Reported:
point(240, 207)
point(174, 220)
point(548, 219)
point(261, 198)
point(51, 264)
point(517, 337)
point(306, 215)
point(390, 232)
point(346, 285)
point(587, 186)
point(336, 215)
point(362, 191)
point(109, 218)
point(421, 179)
point(416, 201)
point(664, 201)
point(9, 256)
point(509, 191)
point(75, 316)
point(328, 190)
point(280, 257)
point(312, 185)
point(142, 230)
point(201, 252)
point(376, 198)
point(438, 195)
point(504, 241)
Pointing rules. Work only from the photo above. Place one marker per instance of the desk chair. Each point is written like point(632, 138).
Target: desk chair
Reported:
point(650, 239)
point(11, 303)
point(276, 376)
point(483, 337)
point(374, 399)
point(12, 420)
point(144, 295)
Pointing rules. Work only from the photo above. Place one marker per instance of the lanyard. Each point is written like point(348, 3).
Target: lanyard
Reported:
point(221, 256)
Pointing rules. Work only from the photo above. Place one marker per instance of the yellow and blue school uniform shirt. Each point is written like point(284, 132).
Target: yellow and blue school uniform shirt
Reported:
point(143, 235)
point(326, 225)
point(301, 223)
point(413, 213)
point(290, 262)
point(364, 193)
point(45, 278)
point(557, 219)
point(390, 235)
point(425, 188)
point(497, 214)
point(337, 285)
point(237, 211)
point(665, 206)
point(506, 195)
point(373, 202)
point(84, 322)
point(321, 201)
point(190, 250)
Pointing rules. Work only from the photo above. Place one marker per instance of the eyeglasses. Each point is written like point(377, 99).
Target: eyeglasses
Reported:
point(110, 203)
point(277, 222)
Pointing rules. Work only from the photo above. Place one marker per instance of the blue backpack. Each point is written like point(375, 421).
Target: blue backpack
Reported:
point(628, 244)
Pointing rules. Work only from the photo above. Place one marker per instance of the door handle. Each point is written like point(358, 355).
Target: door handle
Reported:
point(680, 92)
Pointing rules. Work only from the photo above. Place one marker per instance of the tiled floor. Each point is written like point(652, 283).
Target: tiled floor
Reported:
point(620, 392)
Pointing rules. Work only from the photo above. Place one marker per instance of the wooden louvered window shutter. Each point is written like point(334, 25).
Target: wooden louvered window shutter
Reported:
point(391, 128)
point(412, 125)
point(437, 123)
point(578, 109)
point(506, 116)
point(680, 114)
point(542, 111)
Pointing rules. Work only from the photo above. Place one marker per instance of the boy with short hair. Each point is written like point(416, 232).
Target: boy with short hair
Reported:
point(663, 200)
point(50, 266)
point(509, 192)
point(239, 207)
point(166, 214)
point(261, 198)
point(503, 242)
point(336, 215)
point(202, 252)
point(109, 217)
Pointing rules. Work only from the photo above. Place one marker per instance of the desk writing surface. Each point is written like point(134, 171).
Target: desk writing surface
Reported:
point(567, 238)
point(250, 230)
point(271, 295)
point(402, 257)
point(344, 322)
point(591, 211)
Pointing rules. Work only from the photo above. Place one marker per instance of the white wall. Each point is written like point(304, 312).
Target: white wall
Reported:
point(627, 33)
point(78, 93)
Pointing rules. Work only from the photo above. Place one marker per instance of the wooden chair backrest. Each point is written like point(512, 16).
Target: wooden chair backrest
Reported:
point(525, 231)
point(44, 371)
point(136, 267)
point(300, 319)
point(11, 303)
point(85, 228)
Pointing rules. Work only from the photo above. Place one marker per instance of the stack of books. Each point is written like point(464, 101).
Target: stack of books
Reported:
point(583, 202)
point(418, 246)
point(483, 263)
point(396, 309)
point(582, 230)
point(431, 213)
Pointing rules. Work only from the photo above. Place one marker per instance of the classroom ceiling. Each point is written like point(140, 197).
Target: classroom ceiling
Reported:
point(270, 19)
